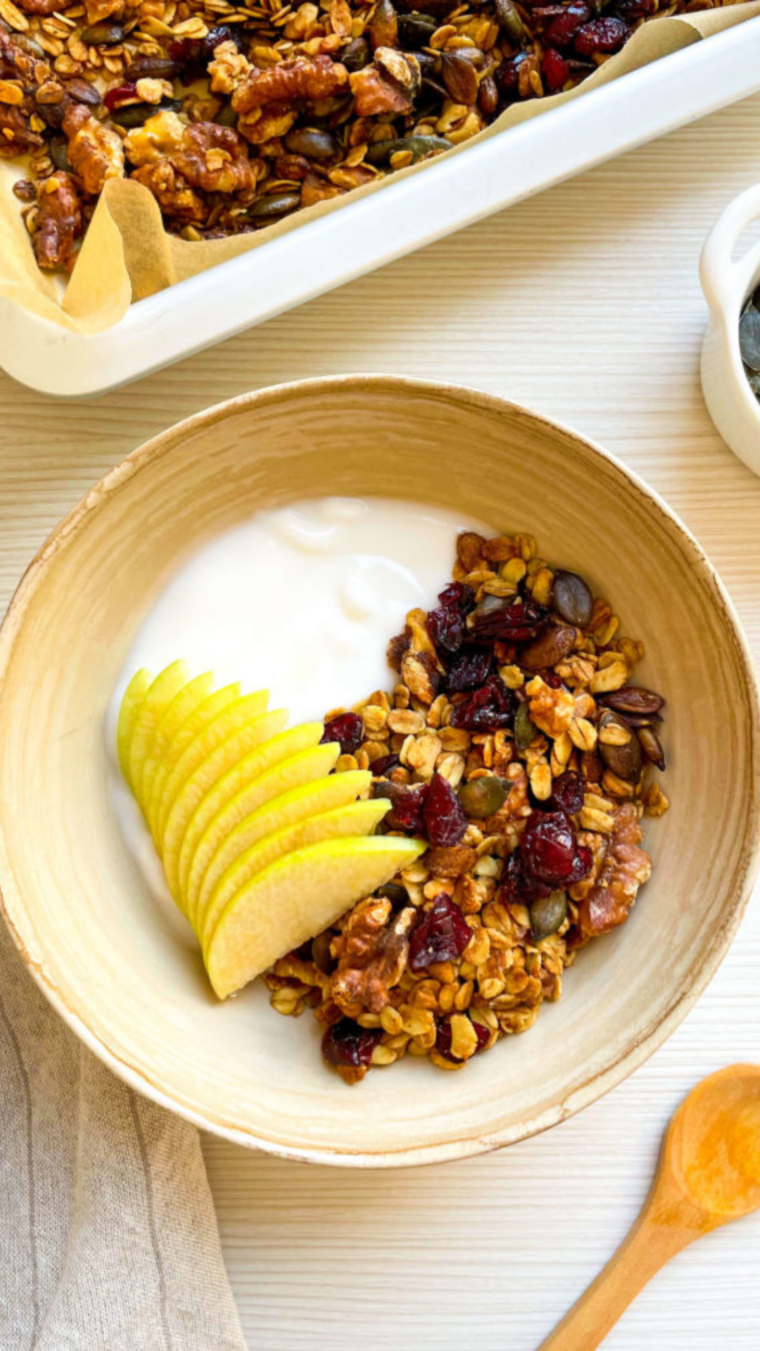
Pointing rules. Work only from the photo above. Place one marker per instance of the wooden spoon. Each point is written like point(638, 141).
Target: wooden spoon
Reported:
point(709, 1173)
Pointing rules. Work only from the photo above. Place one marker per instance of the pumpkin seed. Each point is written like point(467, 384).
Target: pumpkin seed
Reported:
point(103, 34)
point(624, 761)
point(151, 68)
point(415, 30)
point(547, 915)
point(634, 699)
point(525, 728)
point(509, 20)
point(572, 598)
point(316, 145)
point(483, 796)
point(651, 746)
point(460, 79)
point(58, 153)
point(420, 147)
point(277, 204)
point(135, 114)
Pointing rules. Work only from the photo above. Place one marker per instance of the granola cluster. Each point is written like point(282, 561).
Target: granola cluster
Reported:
point(515, 744)
point(236, 115)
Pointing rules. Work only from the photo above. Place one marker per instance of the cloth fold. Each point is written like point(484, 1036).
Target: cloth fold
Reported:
point(108, 1235)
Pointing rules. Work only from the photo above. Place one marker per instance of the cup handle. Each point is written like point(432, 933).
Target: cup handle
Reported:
point(722, 277)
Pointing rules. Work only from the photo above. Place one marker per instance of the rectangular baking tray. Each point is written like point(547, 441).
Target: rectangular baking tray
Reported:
point(368, 233)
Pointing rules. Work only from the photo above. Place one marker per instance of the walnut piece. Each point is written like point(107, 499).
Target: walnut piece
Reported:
point(228, 69)
point(95, 152)
point(155, 139)
point(16, 136)
point(302, 78)
point(174, 196)
point(389, 85)
point(624, 867)
point(215, 159)
point(59, 221)
point(551, 710)
point(267, 124)
point(372, 956)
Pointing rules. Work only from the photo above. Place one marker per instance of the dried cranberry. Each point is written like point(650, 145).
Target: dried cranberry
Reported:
point(439, 936)
point(443, 1040)
point(443, 815)
point(348, 729)
point(346, 1043)
point(446, 628)
point(482, 1034)
point(470, 668)
point(555, 70)
point(567, 793)
point(384, 764)
point(446, 623)
point(487, 709)
point(513, 622)
point(630, 11)
point(508, 76)
point(547, 847)
point(113, 98)
point(562, 30)
point(581, 865)
point(601, 36)
point(457, 594)
point(517, 886)
point(193, 55)
point(406, 804)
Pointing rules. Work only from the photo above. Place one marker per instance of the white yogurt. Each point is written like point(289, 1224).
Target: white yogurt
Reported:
point(301, 601)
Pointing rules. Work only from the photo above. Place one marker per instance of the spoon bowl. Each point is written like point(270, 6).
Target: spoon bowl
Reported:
point(709, 1174)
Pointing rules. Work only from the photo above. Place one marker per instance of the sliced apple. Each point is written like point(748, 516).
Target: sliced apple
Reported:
point(214, 733)
point(256, 732)
point(295, 898)
point(191, 728)
point(130, 707)
point(355, 820)
point(310, 798)
point(241, 773)
point(219, 844)
point(182, 705)
point(157, 700)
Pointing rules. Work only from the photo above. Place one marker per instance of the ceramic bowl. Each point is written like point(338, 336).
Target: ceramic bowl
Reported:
point(128, 978)
point(727, 283)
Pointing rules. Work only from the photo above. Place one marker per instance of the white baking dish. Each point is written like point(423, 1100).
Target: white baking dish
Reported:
point(369, 232)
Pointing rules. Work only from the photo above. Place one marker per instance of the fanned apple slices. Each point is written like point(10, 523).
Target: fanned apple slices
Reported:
point(262, 845)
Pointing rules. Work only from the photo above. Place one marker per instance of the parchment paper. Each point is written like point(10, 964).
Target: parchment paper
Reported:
point(128, 255)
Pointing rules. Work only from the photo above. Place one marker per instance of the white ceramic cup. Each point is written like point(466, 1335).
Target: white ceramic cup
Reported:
point(727, 282)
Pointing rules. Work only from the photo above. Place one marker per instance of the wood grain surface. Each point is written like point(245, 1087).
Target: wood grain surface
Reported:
point(584, 303)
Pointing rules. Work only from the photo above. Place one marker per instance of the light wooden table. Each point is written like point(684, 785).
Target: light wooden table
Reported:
point(584, 303)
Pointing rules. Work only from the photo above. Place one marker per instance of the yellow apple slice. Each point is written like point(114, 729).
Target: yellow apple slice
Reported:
point(190, 729)
point(240, 774)
point(218, 846)
point(356, 819)
point(311, 797)
point(253, 733)
point(212, 735)
point(130, 707)
point(295, 898)
point(182, 705)
point(166, 684)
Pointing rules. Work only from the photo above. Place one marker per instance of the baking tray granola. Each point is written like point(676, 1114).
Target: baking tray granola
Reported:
point(367, 232)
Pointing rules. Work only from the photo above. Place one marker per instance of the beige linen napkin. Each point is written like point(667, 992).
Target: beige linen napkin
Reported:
point(108, 1237)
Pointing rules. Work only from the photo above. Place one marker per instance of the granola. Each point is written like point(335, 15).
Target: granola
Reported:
point(515, 743)
point(234, 116)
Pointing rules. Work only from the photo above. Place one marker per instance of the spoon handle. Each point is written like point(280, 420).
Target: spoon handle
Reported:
point(648, 1246)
